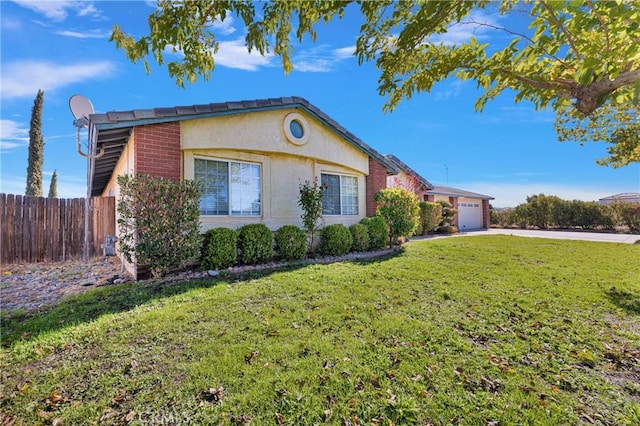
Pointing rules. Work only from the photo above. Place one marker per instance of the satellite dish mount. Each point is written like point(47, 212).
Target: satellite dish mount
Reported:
point(81, 108)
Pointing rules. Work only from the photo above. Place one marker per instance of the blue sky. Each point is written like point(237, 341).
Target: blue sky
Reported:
point(508, 151)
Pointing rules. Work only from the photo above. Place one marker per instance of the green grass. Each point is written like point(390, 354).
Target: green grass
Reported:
point(470, 330)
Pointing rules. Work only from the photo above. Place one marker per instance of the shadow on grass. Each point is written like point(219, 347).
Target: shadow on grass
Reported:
point(626, 300)
point(88, 306)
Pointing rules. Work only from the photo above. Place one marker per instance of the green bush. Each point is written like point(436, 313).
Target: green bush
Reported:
point(448, 213)
point(377, 230)
point(335, 240)
point(291, 242)
point(447, 229)
point(219, 248)
point(360, 237)
point(158, 222)
point(399, 208)
point(630, 215)
point(430, 216)
point(255, 242)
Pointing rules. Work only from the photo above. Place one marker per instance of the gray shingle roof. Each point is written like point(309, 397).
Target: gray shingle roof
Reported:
point(112, 129)
point(455, 192)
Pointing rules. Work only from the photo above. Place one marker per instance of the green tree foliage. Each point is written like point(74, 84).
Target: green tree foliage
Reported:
point(310, 200)
point(399, 209)
point(539, 210)
point(36, 149)
point(619, 127)
point(430, 216)
point(574, 55)
point(53, 186)
point(159, 222)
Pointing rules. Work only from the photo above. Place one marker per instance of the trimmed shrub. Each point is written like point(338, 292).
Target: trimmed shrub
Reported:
point(291, 242)
point(400, 210)
point(448, 229)
point(255, 242)
point(360, 237)
point(219, 248)
point(377, 230)
point(448, 213)
point(335, 240)
point(430, 216)
point(158, 222)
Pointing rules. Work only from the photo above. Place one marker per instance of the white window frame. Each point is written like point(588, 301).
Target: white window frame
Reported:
point(341, 195)
point(229, 186)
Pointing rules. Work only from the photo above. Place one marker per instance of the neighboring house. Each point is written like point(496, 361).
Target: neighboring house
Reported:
point(473, 208)
point(251, 156)
point(625, 197)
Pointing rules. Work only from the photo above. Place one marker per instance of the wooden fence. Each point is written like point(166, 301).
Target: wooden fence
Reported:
point(36, 229)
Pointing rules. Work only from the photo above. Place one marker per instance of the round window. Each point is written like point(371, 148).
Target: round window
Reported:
point(296, 129)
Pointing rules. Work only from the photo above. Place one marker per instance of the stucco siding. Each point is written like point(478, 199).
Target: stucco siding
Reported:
point(281, 176)
point(264, 132)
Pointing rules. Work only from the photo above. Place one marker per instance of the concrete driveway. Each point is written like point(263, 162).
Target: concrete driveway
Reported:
point(561, 235)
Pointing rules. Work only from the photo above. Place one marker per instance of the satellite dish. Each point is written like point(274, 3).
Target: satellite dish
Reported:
point(81, 108)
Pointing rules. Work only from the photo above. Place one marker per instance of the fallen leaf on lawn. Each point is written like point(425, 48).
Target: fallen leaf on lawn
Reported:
point(130, 416)
point(280, 419)
point(249, 358)
point(214, 396)
point(57, 421)
point(392, 397)
point(416, 377)
point(44, 414)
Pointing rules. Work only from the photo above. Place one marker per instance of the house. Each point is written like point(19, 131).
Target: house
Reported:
point(625, 197)
point(252, 157)
point(473, 208)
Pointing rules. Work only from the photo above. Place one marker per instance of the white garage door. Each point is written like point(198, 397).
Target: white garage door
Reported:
point(469, 215)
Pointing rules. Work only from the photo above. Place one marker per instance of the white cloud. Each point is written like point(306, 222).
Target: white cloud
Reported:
point(234, 54)
point(321, 58)
point(23, 78)
point(9, 24)
point(12, 135)
point(83, 35)
point(223, 27)
point(452, 90)
point(58, 10)
point(477, 25)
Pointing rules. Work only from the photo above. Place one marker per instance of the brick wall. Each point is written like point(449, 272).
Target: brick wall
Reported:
point(157, 150)
point(376, 180)
point(486, 214)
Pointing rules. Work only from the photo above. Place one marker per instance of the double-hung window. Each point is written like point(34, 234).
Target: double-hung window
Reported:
point(229, 188)
point(340, 195)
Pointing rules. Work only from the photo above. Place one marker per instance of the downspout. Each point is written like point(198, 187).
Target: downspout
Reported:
point(91, 160)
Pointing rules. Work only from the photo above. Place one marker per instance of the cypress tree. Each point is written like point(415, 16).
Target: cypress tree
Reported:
point(53, 186)
point(36, 148)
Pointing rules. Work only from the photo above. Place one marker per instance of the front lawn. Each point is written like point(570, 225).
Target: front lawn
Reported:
point(472, 330)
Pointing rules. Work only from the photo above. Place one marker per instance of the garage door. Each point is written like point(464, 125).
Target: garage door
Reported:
point(469, 215)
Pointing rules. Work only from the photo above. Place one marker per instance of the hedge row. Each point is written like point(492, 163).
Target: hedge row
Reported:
point(255, 243)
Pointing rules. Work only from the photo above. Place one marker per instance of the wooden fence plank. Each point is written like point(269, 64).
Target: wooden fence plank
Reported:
point(8, 240)
point(38, 229)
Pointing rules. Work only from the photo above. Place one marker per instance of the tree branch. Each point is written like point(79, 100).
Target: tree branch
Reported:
point(602, 23)
point(532, 43)
point(555, 20)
